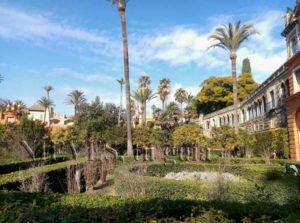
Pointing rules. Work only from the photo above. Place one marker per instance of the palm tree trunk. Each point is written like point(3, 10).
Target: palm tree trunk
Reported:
point(45, 116)
point(126, 76)
point(120, 109)
point(143, 109)
point(163, 105)
point(145, 115)
point(233, 57)
point(181, 115)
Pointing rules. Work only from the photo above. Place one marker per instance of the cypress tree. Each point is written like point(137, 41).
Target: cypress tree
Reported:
point(246, 69)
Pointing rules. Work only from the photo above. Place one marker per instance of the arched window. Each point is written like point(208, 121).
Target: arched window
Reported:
point(272, 99)
point(287, 86)
point(264, 104)
point(283, 90)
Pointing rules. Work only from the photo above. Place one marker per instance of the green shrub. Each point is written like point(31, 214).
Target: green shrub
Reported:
point(38, 207)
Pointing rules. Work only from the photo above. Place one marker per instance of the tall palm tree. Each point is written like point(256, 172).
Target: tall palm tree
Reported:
point(164, 90)
point(144, 82)
point(142, 96)
point(48, 88)
point(76, 98)
point(180, 97)
point(121, 82)
point(189, 98)
point(230, 37)
point(46, 103)
point(121, 4)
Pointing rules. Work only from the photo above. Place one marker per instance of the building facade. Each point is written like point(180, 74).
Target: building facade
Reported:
point(276, 102)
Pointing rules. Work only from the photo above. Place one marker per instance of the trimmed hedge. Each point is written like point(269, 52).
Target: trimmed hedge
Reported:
point(22, 165)
point(37, 207)
point(20, 175)
point(247, 171)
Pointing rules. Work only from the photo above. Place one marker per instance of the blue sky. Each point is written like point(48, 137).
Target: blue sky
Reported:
point(77, 45)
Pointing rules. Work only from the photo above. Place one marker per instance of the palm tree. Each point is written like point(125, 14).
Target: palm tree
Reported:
point(142, 96)
point(144, 82)
point(46, 103)
point(121, 4)
point(189, 98)
point(180, 97)
point(164, 90)
point(230, 37)
point(76, 98)
point(48, 88)
point(121, 82)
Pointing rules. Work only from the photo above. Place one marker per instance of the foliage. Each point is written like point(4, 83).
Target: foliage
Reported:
point(94, 118)
point(163, 90)
point(116, 137)
point(246, 67)
point(216, 92)
point(24, 174)
point(76, 98)
point(188, 135)
point(22, 165)
point(246, 142)
point(246, 85)
point(39, 207)
point(224, 137)
point(147, 137)
point(231, 36)
point(271, 140)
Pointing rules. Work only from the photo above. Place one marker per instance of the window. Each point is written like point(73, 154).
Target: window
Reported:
point(272, 97)
point(294, 44)
point(297, 81)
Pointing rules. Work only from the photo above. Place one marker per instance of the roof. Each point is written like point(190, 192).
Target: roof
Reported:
point(36, 107)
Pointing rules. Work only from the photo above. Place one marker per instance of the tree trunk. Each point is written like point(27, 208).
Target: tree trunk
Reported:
point(143, 109)
point(120, 109)
point(126, 76)
point(181, 115)
point(233, 57)
point(163, 105)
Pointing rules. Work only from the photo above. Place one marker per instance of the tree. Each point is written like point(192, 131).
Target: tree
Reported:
point(147, 137)
point(121, 4)
point(246, 85)
point(224, 136)
point(180, 97)
point(142, 96)
point(189, 98)
point(188, 135)
point(121, 82)
point(46, 103)
point(246, 68)
point(76, 98)
point(163, 91)
point(144, 82)
point(31, 134)
point(216, 92)
point(48, 89)
point(230, 38)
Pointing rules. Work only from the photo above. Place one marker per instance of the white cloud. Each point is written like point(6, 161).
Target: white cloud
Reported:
point(16, 24)
point(179, 46)
point(183, 46)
